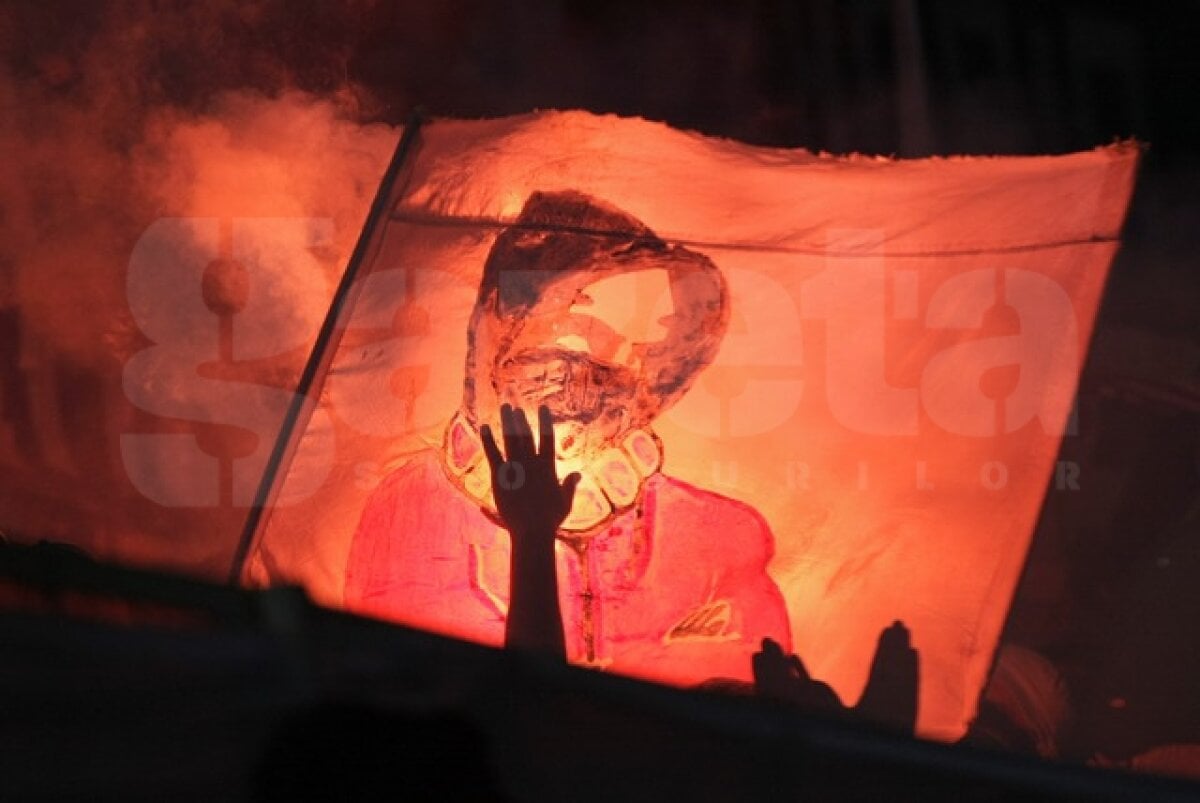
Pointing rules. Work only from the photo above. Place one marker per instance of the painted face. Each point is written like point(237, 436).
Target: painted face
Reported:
point(581, 351)
point(604, 331)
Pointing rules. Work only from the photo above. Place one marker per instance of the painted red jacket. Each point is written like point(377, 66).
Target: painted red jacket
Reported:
point(675, 590)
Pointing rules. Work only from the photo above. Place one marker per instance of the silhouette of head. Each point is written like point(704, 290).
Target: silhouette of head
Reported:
point(584, 309)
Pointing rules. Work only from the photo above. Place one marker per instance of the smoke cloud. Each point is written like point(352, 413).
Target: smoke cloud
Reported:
point(234, 124)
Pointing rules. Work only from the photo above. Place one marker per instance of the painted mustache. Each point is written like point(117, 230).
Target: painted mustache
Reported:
point(576, 387)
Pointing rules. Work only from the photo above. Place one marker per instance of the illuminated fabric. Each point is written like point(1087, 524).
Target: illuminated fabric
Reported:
point(643, 597)
point(887, 393)
point(640, 592)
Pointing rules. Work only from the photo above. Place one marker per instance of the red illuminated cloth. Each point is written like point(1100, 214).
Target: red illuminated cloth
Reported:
point(647, 596)
point(888, 394)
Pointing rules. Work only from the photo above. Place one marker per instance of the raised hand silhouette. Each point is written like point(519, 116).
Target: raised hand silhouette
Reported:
point(889, 698)
point(783, 677)
point(529, 498)
point(531, 503)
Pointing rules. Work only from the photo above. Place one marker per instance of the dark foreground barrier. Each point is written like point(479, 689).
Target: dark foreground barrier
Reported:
point(126, 685)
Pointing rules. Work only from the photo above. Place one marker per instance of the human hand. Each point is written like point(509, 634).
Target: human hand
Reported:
point(783, 677)
point(890, 696)
point(530, 500)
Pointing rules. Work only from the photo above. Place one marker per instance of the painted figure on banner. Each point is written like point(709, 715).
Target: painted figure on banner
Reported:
point(586, 311)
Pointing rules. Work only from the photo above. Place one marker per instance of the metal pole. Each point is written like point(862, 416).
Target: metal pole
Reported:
point(299, 410)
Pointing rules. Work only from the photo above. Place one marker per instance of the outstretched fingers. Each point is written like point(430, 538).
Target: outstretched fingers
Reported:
point(528, 442)
point(519, 441)
point(494, 458)
point(545, 433)
point(518, 437)
point(568, 489)
point(508, 431)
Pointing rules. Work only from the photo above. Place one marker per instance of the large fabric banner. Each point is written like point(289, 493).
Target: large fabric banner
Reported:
point(808, 396)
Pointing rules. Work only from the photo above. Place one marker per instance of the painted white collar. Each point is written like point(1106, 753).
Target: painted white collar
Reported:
point(611, 481)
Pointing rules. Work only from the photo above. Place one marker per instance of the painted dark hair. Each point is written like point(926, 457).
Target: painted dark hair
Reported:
point(563, 234)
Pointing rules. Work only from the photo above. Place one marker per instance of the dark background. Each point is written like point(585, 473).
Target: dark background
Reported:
point(1111, 594)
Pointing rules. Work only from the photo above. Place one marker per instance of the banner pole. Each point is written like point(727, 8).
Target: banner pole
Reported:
point(300, 410)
